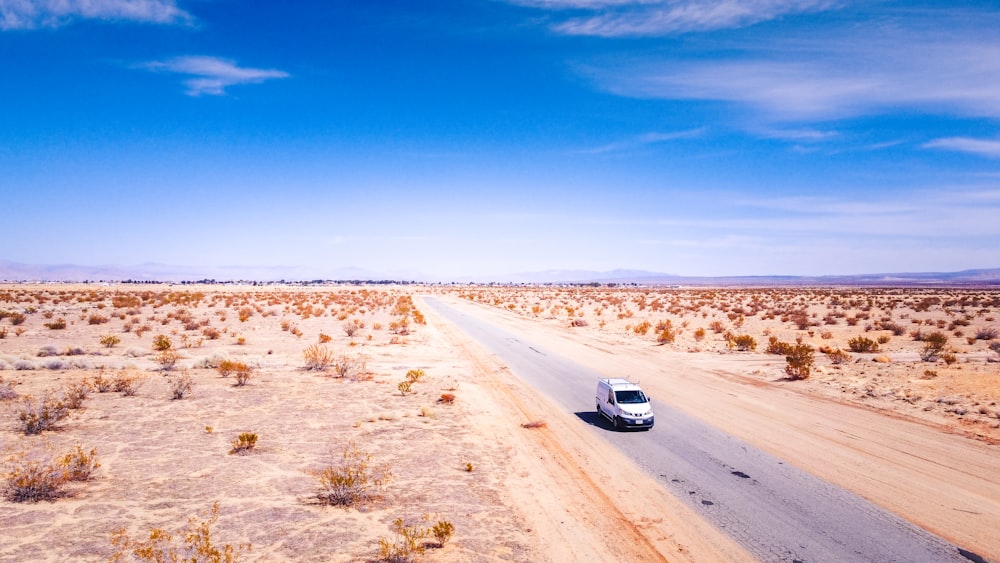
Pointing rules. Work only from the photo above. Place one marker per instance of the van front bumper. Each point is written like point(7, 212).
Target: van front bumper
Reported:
point(643, 422)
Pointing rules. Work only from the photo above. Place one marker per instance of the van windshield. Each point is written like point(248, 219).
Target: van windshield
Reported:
point(630, 397)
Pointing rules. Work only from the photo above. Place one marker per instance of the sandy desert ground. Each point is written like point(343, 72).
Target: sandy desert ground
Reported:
point(512, 493)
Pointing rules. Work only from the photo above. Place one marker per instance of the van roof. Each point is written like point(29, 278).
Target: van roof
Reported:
point(619, 383)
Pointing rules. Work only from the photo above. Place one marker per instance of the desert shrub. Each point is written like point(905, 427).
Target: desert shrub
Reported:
point(351, 328)
point(579, 323)
point(211, 333)
point(745, 343)
point(245, 313)
point(324, 338)
point(164, 547)
point(699, 334)
point(534, 424)
point(227, 367)
point(801, 320)
point(447, 398)
point(243, 375)
point(404, 387)
point(949, 357)
point(7, 391)
point(668, 334)
point(883, 339)
point(406, 543)
point(136, 353)
point(127, 383)
point(58, 324)
point(17, 318)
point(350, 366)
point(415, 375)
point(55, 365)
point(934, 345)
point(775, 346)
point(995, 346)
point(210, 362)
point(46, 351)
point(243, 443)
point(442, 532)
point(180, 386)
point(31, 478)
point(861, 344)
point(896, 328)
point(161, 342)
point(318, 357)
point(799, 361)
point(353, 479)
point(75, 393)
point(642, 328)
point(167, 359)
point(110, 340)
point(838, 357)
point(987, 333)
point(97, 319)
point(78, 464)
point(38, 415)
point(102, 383)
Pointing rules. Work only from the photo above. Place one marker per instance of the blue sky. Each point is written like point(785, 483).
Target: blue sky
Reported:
point(485, 137)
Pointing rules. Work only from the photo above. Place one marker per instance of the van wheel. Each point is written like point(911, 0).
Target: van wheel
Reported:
point(618, 423)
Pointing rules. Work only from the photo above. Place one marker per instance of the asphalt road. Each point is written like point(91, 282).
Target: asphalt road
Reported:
point(775, 511)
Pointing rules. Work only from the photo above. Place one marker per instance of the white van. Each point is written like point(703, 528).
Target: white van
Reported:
point(624, 404)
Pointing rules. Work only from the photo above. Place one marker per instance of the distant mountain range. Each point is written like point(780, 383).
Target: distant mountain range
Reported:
point(965, 277)
point(13, 271)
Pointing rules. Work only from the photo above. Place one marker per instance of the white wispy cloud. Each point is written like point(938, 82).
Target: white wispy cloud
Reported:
point(212, 75)
point(983, 147)
point(804, 135)
point(836, 73)
point(32, 14)
point(622, 18)
point(642, 140)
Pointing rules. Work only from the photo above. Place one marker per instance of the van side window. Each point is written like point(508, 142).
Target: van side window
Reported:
point(611, 396)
